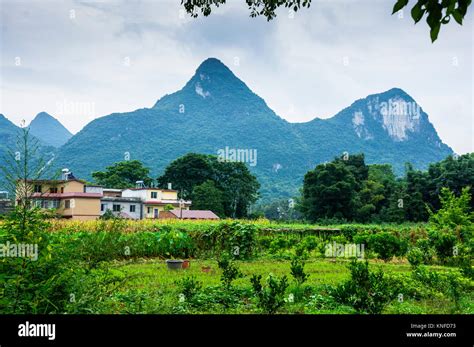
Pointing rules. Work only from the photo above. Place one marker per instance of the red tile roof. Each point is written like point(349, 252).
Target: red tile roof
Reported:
point(165, 202)
point(162, 189)
point(66, 195)
point(195, 214)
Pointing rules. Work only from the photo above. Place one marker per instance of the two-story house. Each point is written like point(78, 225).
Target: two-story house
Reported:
point(155, 199)
point(69, 197)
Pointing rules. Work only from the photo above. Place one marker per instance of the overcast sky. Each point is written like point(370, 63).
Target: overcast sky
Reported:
point(79, 60)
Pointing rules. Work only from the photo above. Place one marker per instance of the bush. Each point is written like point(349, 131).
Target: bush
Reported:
point(387, 245)
point(278, 243)
point(310, 243)
point(443, 242)
point(230, 272)
point(451, 284)
point(57, 280)
point(297, 271)
point(236, 238)
point(175, 244)
point(271, 297)
point(366, 291)
point(189, 287)
point(415, 256)
point(427, 250)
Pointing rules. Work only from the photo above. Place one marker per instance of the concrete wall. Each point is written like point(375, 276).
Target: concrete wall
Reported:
point(81, 208)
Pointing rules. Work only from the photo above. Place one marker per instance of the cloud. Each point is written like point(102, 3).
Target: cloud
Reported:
point(122, 55)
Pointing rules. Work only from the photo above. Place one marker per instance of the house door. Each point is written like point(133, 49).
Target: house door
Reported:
point(155, 214)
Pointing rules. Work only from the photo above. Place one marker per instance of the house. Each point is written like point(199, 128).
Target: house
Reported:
point(156, 199)
point(188, 214)
point(70, 197)
point(124, 207)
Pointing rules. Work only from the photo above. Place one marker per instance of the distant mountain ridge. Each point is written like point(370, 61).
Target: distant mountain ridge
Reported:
point(216, 110)
point(49, 130)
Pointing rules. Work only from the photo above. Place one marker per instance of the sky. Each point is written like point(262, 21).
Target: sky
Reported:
point(82, 59)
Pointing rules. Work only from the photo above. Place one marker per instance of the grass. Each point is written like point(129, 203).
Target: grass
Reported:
point(155, 287)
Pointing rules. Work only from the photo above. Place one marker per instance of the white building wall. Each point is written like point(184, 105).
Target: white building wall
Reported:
point(125, 208)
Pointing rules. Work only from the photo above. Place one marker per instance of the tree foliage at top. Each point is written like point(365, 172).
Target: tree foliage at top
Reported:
point(123, 175)
point(348, 189)
point(237, 186)
point(438, 12)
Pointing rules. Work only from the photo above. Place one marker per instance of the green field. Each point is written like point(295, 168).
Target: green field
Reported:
point(152, 288)
point(118, 267)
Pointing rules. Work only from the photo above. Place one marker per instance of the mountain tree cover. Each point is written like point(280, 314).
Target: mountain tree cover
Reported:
point(123, 175)
point(234, 116)
point(282, 209)
point(438, 12)
point(347, 188)
point(239, 188)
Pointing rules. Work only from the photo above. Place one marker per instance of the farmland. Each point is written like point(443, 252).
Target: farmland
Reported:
point(239, 267)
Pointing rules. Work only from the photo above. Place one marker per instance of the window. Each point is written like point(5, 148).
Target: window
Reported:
point(44, 204)
point(53, 190)
point(67, 203)
point(154, 195)
point(149, 210)
point(54, 204)
point(37, 188)
point(116, 208)
point(62, 190)
point(38, 203)
point(132, 208)
point(102, 207)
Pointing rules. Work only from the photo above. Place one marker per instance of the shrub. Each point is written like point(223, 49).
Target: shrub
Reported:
point(278, 243)
point(271, 297)
point(366, 291)
point(450, 284)
point(427, 250)
point(310, 243)
point(189, 287)
point(54, 281)
point(387, 245)
point(174, 243)
point(297, 271)
point(454, 212)
point(443, 242)
point(415, 256)
point(230, 272)
point(236, 238)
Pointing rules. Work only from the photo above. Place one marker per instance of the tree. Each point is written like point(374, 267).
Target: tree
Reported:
point(328, 192)
point(454, 172)
point(123, 174)
point(454, 212)
point(207, 196)
point(22, 165)
point(417, 195)
point(238, 186)
point(187, 172)
point(35, 281)
point(283, 209)
point(438, 12)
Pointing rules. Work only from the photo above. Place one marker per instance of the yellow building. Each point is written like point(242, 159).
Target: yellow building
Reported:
point(69, 197)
